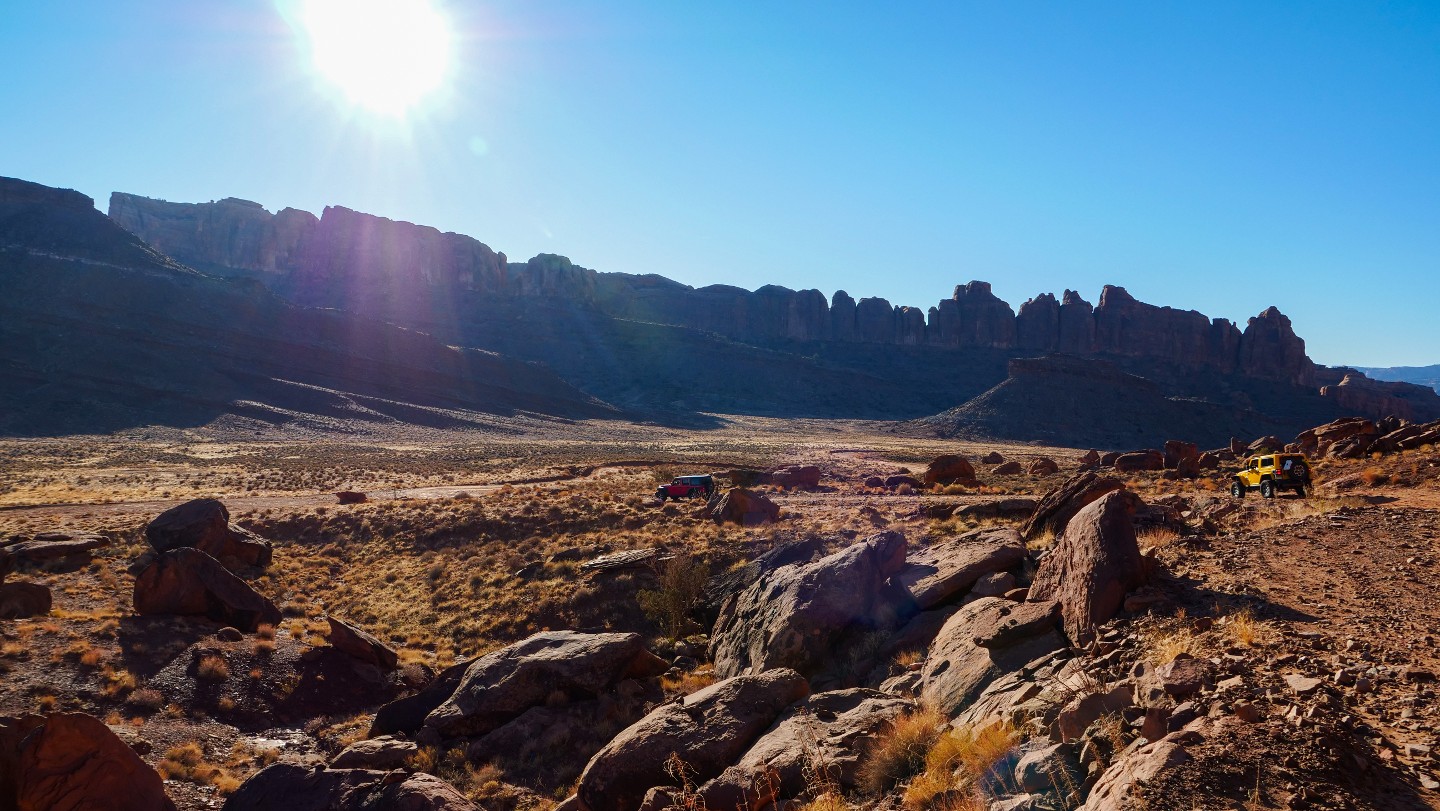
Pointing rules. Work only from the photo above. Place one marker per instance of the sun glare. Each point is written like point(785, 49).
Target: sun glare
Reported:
point(384, 55)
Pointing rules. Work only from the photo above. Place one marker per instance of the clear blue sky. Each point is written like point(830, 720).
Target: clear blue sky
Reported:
point(1216, 156)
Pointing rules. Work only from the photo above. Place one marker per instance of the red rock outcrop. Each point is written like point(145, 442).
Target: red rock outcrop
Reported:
point(73, 762)
point(188, 581)
point(204, 524)
point(1094, 563)
point(1270, 349)
point(1358, 394)
point(1037, 325)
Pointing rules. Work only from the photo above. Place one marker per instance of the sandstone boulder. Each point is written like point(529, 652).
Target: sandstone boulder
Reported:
point(1043, 466)
point(204, 524)
point(957, 668)
point(947, 569)
point(300, 788)
point(364, 647)
point(1176, 452)
point(47, 547)
point(901, 479)
point(1140, 460)
point(992, 458)
point(874, 481)
point(709, 730)
point(1061, 504)
point(1265, 444)
point(1090, 459)
point(1002, 508)
point(834, 729)
point(351, 497)
point(73, 762)
point(499, 686)
point(384, 752)
point(1095, 562)
point(1011, 468)
point(21, 600)
point(744, 507)
point(792, 616)
point(188, 581)
point(799, 477)
point(949, 468)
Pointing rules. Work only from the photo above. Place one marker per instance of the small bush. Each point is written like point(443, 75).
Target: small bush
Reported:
point(682, 584)
point(900, 753)
point(212, 668)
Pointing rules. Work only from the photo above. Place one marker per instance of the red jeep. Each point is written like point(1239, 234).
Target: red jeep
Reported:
point(686, 487)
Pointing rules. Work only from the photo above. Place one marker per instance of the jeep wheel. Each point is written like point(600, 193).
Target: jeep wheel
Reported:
point(1237, 489)
point(660, 496)
point(1300, 491)
point(1267, 489)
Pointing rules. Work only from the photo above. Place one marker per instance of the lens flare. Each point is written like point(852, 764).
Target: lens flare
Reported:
point(383, 55)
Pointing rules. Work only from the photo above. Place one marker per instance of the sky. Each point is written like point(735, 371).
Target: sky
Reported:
point(1216, 156)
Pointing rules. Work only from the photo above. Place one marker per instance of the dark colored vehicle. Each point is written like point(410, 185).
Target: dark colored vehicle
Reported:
point(1272, 473)
point(686, 487)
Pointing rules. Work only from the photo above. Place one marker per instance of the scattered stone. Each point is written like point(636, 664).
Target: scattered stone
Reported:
point(1184, 676)
point(298, 788)
point(1302, 685)
point(1139, 460)
point(622, 561)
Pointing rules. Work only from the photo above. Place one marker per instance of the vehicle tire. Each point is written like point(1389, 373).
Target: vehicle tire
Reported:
point(660, 496)
point(1267, 489)
point(1237, 489)
point(1300, 491)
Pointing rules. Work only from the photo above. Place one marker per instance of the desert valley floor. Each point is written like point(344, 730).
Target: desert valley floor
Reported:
point(1282, 653)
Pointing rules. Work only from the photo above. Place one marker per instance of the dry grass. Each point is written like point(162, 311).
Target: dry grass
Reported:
point(212, 668)
point(901, 752)
point(187, 762)
point(954, 765)
point(1243, 630)
point(687, 683)
point(1159, 537)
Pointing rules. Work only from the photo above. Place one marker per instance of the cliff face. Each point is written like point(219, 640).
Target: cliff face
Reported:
point(98, 331)
point(1358, 394)
point(416, 274)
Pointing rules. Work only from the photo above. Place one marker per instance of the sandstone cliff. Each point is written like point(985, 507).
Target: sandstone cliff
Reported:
point(100, 332)
point(447, 282)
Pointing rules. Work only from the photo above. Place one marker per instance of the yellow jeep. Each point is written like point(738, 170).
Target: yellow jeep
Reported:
point(1271, 473)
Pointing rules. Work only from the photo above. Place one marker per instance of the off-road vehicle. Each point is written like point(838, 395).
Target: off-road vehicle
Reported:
point(686, 487)
point(1270, 473)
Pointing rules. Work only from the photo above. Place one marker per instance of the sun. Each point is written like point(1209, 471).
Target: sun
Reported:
point(383, 55)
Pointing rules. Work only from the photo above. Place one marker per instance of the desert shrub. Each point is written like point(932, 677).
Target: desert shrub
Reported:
point(955, 764)
point(682, 584)
point(212, 668)
point(1373, 476)
point(146, 699)
point(900, 752)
